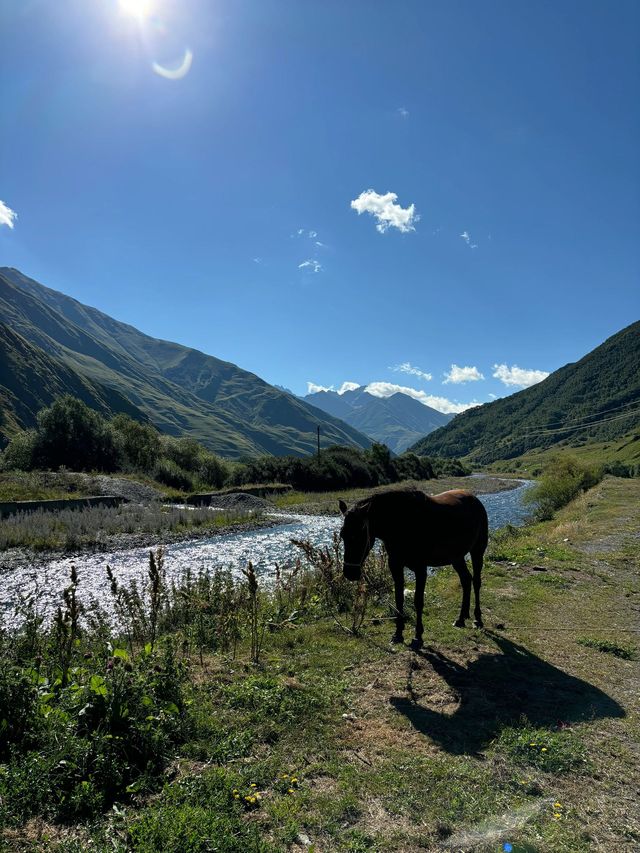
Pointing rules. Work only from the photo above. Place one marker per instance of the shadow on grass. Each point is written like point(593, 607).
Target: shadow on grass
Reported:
point(497, 690)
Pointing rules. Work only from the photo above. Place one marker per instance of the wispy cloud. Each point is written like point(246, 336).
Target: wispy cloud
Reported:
point(442, 404)
point(310, 265)
point(7, 216)
point(458, 375)
point(386, 211)
point(257, 260)
point(407, 367)
point(467, 239)
point(517, 376)
point(403, 111)
point(312, 388)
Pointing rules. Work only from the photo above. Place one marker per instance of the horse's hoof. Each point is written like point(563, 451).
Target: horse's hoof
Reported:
point(416, 644)
point(459, 623)
point(478, 623)
point(397, 638)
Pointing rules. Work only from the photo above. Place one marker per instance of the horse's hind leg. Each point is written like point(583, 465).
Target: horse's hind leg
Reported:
point(465, 581)
point(418, 600)
point(397, 573)
point(476, 560)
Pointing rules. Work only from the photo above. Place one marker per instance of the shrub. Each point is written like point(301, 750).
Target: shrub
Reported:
point(563, 479)
point(140, 443)
point(169, 474)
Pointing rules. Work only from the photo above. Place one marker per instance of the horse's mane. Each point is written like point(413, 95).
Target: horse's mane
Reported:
point(411, 492)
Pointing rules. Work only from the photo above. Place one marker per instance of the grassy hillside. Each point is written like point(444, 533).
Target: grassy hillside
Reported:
point(31, 379)
point(597, 399)
point(181, 390)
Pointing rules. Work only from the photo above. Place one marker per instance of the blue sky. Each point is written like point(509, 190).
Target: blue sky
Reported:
point(201, 169)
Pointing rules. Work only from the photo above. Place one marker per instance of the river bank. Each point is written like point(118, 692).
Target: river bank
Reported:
point(237, 519)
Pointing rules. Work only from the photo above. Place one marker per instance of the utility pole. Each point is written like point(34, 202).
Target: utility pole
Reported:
point(318, 442)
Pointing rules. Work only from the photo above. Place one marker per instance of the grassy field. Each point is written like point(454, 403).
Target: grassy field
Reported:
point(625, 450)
point(327, 502)
point(525, 733)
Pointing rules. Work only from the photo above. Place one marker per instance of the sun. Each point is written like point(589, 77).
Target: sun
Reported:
point(137, 8)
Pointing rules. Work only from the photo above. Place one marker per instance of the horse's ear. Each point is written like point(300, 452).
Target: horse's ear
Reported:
point(343, 507)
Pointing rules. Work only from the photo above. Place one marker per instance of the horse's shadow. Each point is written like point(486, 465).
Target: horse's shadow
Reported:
point(497, 689)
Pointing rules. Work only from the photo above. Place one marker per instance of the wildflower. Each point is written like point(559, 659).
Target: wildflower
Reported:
point(532, 744)
point(290, 791)
point(236, 796)
point(544, 749)
point(253, 785)
point(557, 805)
point(285, 775)
point(235, 791)
point(557, 816)
point(252, 800)
point(294, 780)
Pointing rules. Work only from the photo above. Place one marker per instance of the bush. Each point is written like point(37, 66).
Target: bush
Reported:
point(140, 443)
point(563, 479)
point(169, 474)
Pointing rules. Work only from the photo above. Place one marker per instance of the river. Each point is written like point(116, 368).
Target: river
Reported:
point(264, 548)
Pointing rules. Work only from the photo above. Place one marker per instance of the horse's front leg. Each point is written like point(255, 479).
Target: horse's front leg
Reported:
point(397, 572)
point(418, 600)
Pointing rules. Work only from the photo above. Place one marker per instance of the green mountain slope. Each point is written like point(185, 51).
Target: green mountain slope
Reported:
point(397, 421)
point(595, 399)
point(31, 379)
point(181, 390)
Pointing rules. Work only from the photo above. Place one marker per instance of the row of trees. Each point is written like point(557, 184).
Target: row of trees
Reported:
point(70, 434)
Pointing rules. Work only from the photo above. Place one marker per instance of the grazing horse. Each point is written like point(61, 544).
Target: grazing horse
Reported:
point(419, 531)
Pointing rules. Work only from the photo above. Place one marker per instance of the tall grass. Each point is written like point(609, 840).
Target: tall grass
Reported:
point(94, 706)
point(91, 526)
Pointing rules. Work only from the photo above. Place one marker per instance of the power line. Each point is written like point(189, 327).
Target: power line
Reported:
point(581, 426)
point(597, 414)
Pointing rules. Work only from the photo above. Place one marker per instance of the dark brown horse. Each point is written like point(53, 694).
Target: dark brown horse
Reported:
point(419, 531)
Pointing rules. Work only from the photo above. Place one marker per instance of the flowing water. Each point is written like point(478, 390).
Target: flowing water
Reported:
point(264, 548)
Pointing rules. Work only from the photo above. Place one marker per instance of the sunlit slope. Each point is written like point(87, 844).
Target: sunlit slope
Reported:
point(30, 379)
point(597, 399)
point(181, 390)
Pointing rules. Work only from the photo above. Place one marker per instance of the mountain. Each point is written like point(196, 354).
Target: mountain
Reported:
point(30, 379)
point(595, 399)
point(397, 421)
point(180, 390)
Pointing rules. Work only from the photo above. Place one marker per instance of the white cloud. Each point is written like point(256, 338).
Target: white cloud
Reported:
point(517, 376)
point(407, 367)
point(403, 111)
point(467, 239)
point(442, 404)
point(312, 388)
point(313, 234)
point(310, 265)
point(7, 216)
point(457, 375)
point(257, 260)
point(320, 245)
point(386, 211)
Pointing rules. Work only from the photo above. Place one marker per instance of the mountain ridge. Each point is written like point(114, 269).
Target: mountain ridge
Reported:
point(568, 407)
point(397, 421)
point(180, 389)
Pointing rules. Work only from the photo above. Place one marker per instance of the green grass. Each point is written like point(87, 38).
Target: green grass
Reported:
point(627, 651)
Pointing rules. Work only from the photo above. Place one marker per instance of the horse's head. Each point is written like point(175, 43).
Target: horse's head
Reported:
point(357, 539)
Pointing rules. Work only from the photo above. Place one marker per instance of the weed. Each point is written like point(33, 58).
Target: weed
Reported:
point(628, 652)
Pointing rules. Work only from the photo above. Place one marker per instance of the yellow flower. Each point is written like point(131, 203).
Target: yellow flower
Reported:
point(557, 805)
point(290, 791)
point(557, 816)
point(253, 785)
point(252, 800)
point(285, 776)
point(258, 796)
point(236, 796)
point(532, 744)
point(235, 791)
point(294, 780)
point(544, 749)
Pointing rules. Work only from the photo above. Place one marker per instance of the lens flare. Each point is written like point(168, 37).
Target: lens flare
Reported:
point(177, 72)
point(137, 8)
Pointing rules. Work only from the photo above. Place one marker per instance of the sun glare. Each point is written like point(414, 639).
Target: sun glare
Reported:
point(138, 8)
